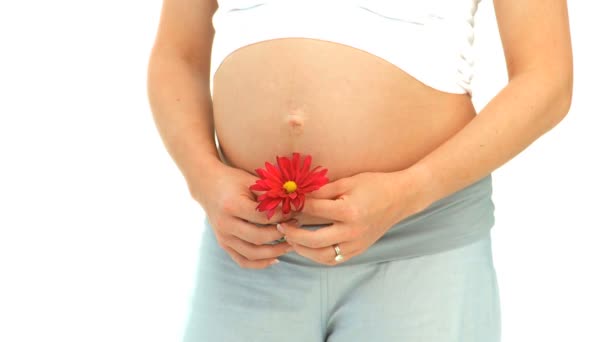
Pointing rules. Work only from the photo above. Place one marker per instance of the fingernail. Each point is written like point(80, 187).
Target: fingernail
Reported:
point(280, 228)
point(274, 262)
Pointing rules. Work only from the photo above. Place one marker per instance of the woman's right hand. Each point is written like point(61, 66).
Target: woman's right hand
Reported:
point(230, 207)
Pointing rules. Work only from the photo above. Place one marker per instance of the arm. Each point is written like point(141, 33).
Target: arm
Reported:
point(536, 42)
point(178, 88)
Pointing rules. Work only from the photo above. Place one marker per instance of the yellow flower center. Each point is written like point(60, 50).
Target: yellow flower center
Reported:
point(290, 186)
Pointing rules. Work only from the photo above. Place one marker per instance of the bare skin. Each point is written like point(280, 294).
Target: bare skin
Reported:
point(353, 113)
point(351, 110)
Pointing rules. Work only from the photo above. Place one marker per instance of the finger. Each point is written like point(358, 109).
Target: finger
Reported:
point(246, 263)
point(245, 208)
point(334, 210)
point(323, 237)
point(252, 233)
point(254, 252)
point(326, 255)
point(331, 190)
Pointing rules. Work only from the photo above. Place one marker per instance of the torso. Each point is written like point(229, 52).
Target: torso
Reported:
point(352, 111)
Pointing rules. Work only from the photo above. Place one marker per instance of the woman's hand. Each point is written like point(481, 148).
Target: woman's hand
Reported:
point(230, 207)
point(363, 207)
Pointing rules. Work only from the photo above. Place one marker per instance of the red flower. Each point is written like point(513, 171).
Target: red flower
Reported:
point(288, 183)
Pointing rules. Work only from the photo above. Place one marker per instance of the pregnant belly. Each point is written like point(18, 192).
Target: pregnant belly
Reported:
point(350, 110)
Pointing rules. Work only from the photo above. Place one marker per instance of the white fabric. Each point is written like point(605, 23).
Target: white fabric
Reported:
point(430, 40)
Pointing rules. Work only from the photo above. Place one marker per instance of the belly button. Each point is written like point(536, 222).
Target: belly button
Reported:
point(295, 124)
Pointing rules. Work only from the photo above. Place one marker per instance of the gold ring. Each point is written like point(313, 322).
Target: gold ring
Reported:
point(339, 257)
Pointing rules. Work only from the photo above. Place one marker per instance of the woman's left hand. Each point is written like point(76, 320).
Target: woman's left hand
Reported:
point(362, 208)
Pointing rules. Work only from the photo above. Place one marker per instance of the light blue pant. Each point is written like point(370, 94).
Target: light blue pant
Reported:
point(448, 296)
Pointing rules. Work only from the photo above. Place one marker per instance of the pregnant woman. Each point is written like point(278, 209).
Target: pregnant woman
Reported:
point(396, 246)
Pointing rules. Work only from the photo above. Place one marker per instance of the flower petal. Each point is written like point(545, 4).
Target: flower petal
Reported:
point(286, 207)
point(274, 173)
point(285, 166)
point(263, 173)
point(314, 177)
point(260, 171)
point(296, 166)
point(303, 198)
point(276, 192)
point(270, 213)
point(260, 185)
point(296, 201)
point(274, 177)
point(269, 203)
point(270, 195)
point(306, 166)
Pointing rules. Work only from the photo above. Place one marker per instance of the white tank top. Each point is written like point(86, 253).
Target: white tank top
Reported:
point(430, 40)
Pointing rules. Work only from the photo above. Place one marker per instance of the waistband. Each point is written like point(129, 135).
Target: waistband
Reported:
point(451, 222)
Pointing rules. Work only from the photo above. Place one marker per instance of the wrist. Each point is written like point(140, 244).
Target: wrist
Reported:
point(417, 180)
point(202, 175)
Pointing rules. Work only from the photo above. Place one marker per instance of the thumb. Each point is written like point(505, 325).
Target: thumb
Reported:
point(331, 190)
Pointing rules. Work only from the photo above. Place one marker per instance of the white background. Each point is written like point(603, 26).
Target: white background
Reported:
point(98, 234)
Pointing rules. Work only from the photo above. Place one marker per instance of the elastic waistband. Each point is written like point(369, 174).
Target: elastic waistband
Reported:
point(453, 221)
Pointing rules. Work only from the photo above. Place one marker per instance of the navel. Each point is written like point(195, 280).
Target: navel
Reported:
point(295, 123)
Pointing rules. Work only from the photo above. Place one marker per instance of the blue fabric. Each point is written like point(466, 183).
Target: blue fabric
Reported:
point(456, 220)
point(445, 296)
